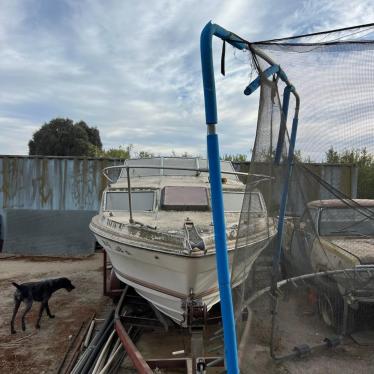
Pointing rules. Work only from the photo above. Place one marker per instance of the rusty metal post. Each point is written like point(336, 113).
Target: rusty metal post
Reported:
point(135, 356)
point(104, 274)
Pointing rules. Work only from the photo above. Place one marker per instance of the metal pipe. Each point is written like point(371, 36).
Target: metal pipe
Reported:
point(236, 41)
point(129, 193)
point(207, 34)
point(96, 349)
point(71, 343)
point(283, 125)
point(293, 280)
point(284, 198)
point(252, 87)
point(216, 186)
point(135, 356)
point(304, 349)
point(223, 272)
point(117, 348)
point(200, 170)
point(77, 349)
point(214, 362)
point(95, 344)
point(89, 333)
point(105, 293)
point(100, 361)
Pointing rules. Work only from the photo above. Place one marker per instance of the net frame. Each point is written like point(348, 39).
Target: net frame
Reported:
point(283, 158)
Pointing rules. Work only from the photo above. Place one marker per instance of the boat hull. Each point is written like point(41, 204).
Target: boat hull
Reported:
point(171, 280)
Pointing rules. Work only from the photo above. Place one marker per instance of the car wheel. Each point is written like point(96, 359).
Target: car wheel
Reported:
point(331, 311)
point(327, 310)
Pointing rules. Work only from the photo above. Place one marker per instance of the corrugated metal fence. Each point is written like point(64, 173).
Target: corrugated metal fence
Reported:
point(60, 183)
point(342, 177)
point(46, 203)
point(75, 184)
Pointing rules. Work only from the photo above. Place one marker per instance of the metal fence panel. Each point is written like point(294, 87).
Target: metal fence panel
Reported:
point(44, 232)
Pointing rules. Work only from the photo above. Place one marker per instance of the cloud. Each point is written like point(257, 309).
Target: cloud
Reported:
point(133, 68)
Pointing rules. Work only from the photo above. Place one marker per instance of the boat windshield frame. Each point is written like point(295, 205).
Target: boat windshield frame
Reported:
point(133, 192)
point(198, 171)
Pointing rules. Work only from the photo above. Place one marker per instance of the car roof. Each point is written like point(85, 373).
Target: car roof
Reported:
point(340, 203)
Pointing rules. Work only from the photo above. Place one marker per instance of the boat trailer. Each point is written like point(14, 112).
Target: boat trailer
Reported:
point(134, 313)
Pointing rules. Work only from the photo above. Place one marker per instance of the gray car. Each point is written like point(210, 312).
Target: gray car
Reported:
point(333, 235)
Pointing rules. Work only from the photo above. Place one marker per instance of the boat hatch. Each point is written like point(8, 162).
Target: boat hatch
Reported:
point(184, 198)
point(140, 201)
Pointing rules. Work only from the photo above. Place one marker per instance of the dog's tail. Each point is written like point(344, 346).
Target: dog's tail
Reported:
point(17, 285)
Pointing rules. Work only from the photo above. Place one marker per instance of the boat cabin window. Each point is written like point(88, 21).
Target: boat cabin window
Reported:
point(233, 201)
point(184, 198)
point(140, 201)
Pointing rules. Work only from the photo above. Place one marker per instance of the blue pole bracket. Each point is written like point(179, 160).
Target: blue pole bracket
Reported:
point(252, 87)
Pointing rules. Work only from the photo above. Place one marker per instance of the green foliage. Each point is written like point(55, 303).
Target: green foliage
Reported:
point(93, 134)
point(125, 152)
point(240, 157)
point(332, 156)
point(298, 157)
point(120, 152)
point(365, 164)
point(61, 137)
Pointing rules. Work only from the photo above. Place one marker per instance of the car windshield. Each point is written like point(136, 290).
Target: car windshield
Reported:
point(347, 222)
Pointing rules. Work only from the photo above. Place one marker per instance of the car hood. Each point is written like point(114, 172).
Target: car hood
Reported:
point(362, 248)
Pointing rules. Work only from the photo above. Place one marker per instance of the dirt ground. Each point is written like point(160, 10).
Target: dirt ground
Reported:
point(41, 351)
point(299, 323)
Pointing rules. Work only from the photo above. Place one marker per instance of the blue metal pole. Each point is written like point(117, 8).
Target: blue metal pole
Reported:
point(282, 129)
point(282, 209)
point(223, 271)
point(252, 87)
point(227, 310)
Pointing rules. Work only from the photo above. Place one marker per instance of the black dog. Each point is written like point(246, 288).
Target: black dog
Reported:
point(37, 291)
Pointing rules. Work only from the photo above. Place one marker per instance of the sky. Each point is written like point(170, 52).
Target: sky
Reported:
point(132, 68)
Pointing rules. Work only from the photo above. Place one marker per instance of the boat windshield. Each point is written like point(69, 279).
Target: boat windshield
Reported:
point(233, 201)
point(119, 201)
point(347, 222)
point(184, 198)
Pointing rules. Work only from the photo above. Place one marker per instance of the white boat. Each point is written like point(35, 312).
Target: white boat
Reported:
point(160, 238)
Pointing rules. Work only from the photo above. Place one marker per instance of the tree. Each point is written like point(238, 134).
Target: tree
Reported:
point(61, 137)
point(365, 164)
point(92, 132)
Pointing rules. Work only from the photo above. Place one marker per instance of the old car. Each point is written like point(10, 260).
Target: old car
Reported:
point(330, 236)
